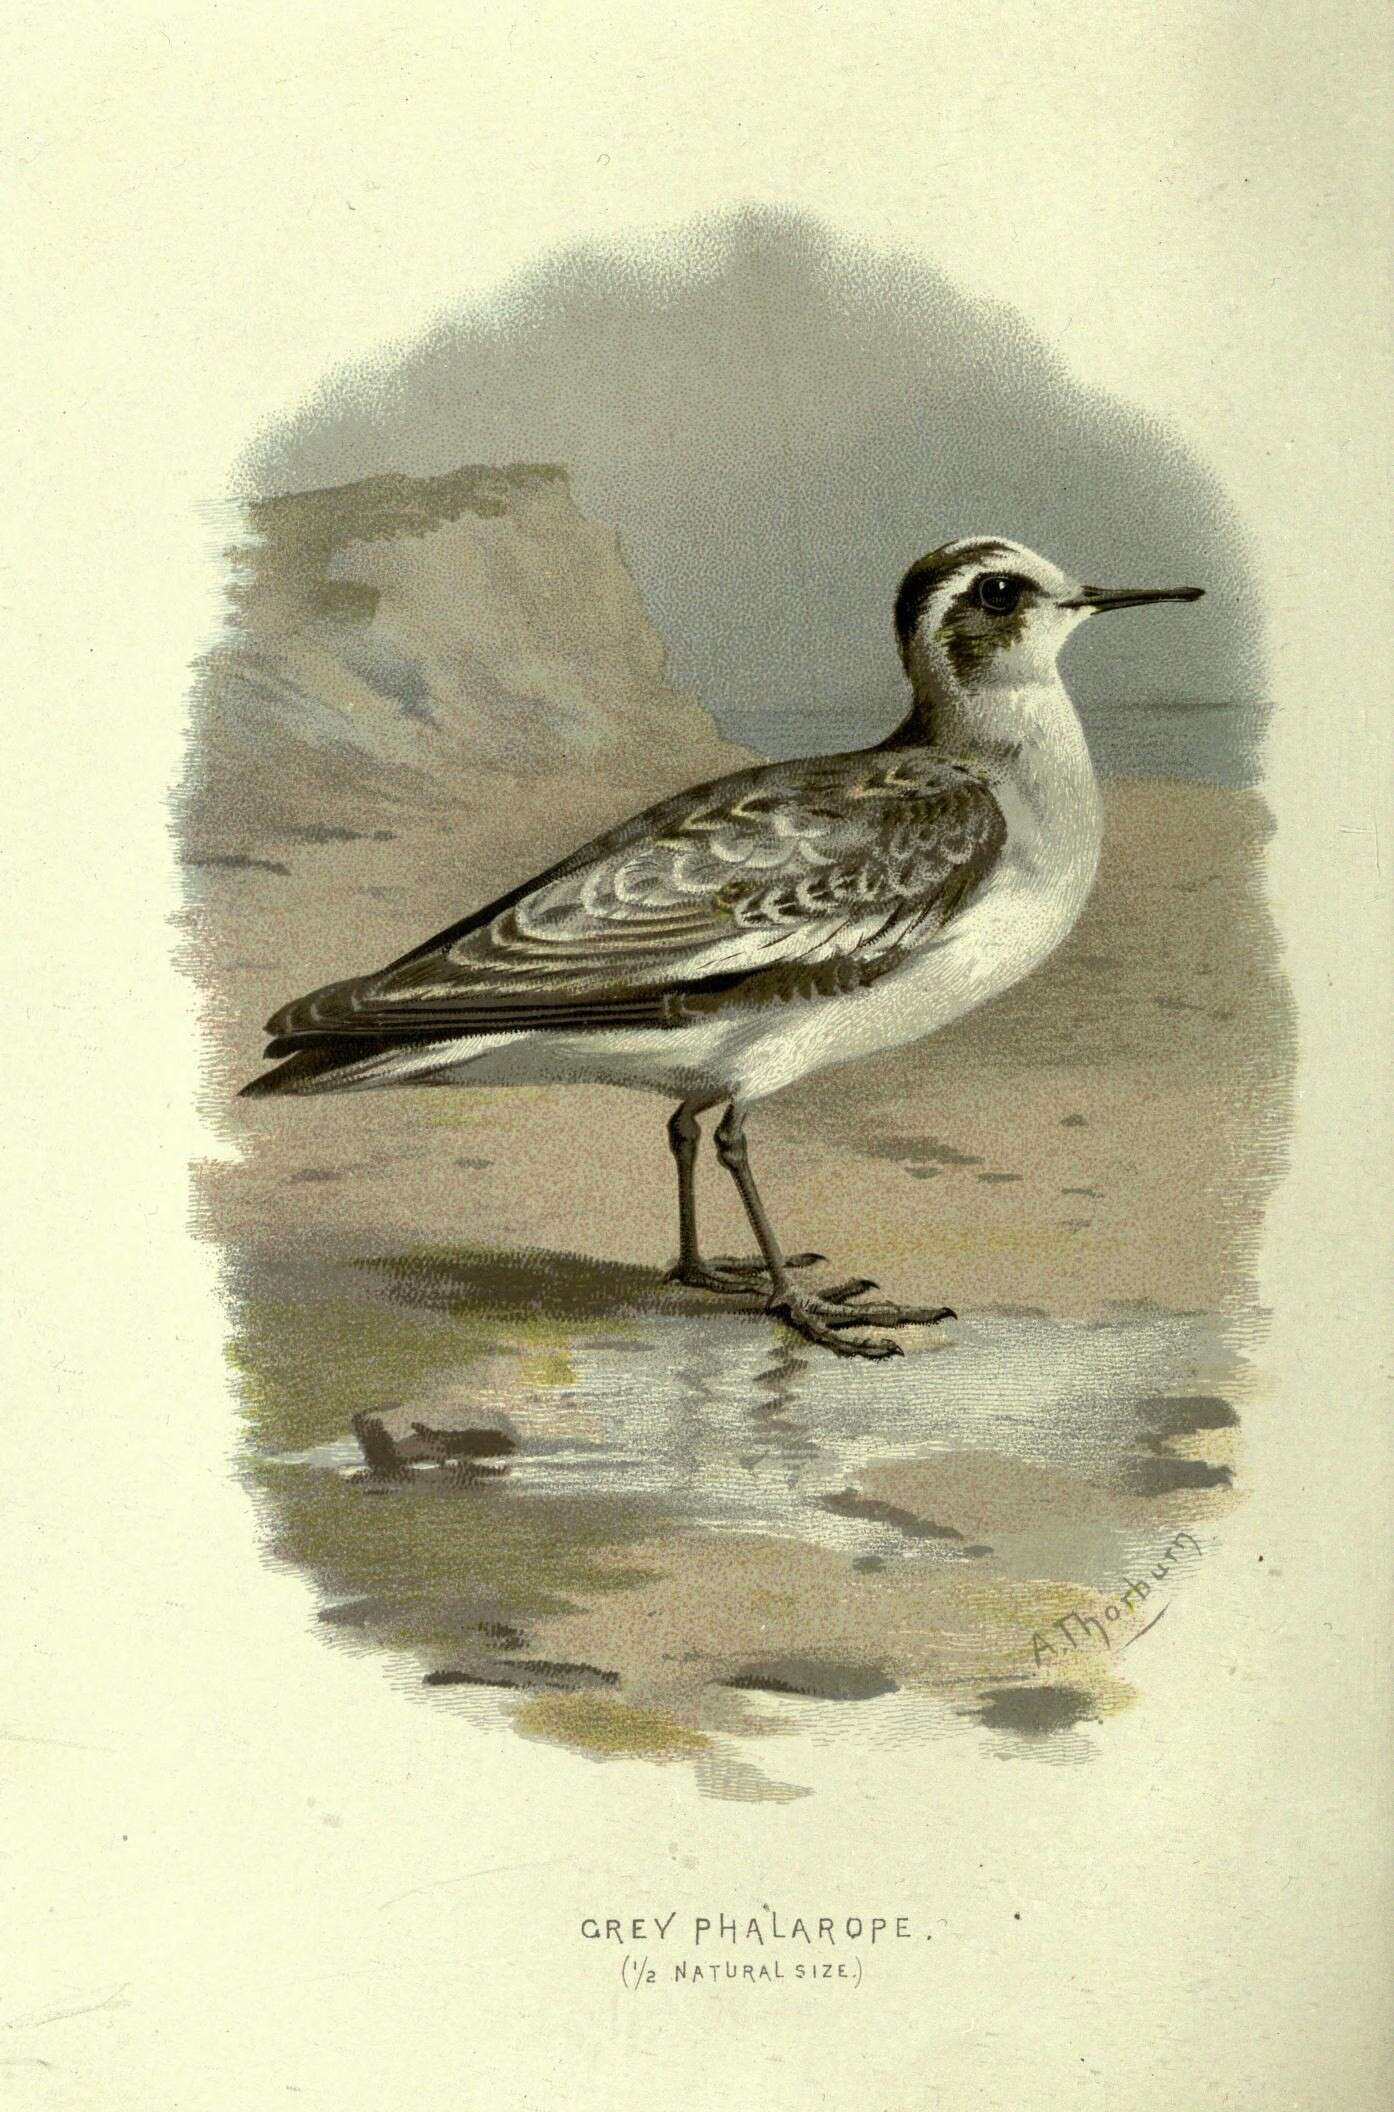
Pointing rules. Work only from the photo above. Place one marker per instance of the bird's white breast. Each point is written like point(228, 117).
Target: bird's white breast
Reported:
point(1046, 789)
point(1032, 899)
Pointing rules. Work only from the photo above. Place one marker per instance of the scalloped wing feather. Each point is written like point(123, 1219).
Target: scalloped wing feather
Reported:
point(735, 892)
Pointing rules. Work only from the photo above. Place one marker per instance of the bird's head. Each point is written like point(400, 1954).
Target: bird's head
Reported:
point(985, 614)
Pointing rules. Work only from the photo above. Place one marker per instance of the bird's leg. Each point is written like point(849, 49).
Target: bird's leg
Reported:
point(817, 1319)
point(684, 1139)
point(725, 1272)
point(783, 1300)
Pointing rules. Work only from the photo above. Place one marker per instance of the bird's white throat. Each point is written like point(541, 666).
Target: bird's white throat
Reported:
point(1028, 742)
point(1029, 727)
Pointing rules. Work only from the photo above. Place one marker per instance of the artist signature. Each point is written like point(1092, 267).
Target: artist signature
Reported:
point(1081, 1630)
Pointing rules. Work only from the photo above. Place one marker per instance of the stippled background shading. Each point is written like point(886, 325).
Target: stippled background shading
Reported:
point(553, 1490)
point(777, 421)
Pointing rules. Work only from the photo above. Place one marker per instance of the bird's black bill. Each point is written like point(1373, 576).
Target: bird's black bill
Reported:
point(1129, 597)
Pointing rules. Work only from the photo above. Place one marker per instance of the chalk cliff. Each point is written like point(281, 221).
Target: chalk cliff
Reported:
point(426, 689)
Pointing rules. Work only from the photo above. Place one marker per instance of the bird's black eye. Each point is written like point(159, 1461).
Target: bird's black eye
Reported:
point(1000, 592)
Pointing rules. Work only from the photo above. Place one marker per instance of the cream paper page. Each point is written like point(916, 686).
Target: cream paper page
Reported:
point(252, 1855)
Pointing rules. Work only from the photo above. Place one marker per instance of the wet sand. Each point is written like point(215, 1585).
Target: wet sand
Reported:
point(684, 1524)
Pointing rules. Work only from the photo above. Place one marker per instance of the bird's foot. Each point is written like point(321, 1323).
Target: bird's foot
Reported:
point(824, 1319)
point(734, 1273)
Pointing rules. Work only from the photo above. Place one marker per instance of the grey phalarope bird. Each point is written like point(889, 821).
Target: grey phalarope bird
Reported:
point(745, 933)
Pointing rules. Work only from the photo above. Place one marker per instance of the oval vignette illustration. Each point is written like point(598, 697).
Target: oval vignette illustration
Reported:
point(632, 524)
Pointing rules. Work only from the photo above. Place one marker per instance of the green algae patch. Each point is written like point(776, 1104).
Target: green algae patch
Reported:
point(608, 1729)
point(486, 1548)
point(307, 1369)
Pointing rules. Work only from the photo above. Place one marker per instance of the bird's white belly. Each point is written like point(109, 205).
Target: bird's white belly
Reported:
point(1016, 923)
point(1030, 902)
point(1002, 937)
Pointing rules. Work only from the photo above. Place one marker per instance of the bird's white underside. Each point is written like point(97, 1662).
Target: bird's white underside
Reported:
point(1026, 906)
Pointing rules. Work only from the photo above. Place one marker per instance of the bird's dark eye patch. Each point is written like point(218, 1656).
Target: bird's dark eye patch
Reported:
point(1000, 592)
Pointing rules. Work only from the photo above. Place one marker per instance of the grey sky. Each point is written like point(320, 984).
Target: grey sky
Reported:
point(778, 422)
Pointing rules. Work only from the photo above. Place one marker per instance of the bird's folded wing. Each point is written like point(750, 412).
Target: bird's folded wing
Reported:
point(779, 881)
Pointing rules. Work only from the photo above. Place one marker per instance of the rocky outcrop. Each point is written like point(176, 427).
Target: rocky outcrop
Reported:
point(426, 689)
point(406, 644)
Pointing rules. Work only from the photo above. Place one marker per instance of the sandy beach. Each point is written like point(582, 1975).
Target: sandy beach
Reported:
point(617, 1517)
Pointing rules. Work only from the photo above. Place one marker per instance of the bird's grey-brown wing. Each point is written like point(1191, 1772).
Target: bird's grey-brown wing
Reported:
point(778, 881)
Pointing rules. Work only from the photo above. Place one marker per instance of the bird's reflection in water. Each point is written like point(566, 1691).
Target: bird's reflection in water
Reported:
point(653, 1529)
point(774, 1392)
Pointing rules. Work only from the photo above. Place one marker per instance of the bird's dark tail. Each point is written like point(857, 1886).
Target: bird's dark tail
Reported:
point(304, 1072)
point(345, 1063)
